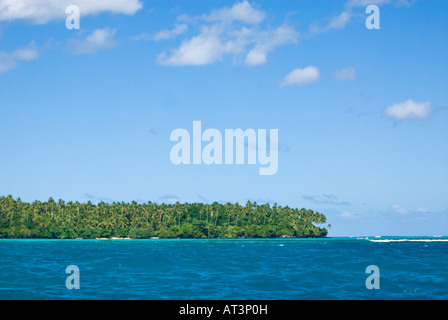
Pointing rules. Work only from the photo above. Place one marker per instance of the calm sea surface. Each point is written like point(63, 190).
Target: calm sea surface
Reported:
point(333, 268)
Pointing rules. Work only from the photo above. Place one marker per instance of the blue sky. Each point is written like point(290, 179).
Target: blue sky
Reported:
point(362, 114)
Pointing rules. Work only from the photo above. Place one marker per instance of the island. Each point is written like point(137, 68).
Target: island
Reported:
point(74, 220)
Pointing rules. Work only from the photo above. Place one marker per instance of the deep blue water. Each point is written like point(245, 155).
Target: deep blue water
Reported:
point(332, 268)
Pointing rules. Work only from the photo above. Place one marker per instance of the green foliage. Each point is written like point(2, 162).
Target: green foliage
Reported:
point(60, 220)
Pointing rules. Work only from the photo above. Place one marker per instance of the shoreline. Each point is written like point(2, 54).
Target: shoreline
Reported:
point(370, 239)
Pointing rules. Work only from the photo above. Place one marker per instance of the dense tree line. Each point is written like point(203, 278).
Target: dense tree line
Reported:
point(61, 220)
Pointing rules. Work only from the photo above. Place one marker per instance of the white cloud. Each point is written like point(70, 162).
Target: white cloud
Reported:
point(142, 36)
point(256, 57)
point(10, 60)
point(203, 49)
point(99, 39)
point(219, 36)
point(169, 198)
point(421, 210)
point(168, 34)
point(365, 3)
point(405, 3)
point(326, 199)
point(348, 215)
point(350, 11)
point(399, 209)
point(301, 77)
point(345, 74)
point(267, 41)
point(409, 110)
point(338, 22)
point(240, 11)
point(43, 11)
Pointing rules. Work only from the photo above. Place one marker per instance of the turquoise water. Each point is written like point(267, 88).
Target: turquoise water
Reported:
point(331, 268)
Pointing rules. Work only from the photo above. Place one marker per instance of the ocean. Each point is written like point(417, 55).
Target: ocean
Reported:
point(242, 269)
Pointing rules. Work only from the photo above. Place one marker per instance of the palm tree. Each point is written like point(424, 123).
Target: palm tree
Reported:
point(48, 219)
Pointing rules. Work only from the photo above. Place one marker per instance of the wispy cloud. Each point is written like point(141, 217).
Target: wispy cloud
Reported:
point(409, 110)
point(349, 12)
point(203, 199)
point(203, 49)
point(169, 34)
point(365, 3)
point(348, 215)
point(300, 77)
point(266, 41)
point(43, 11)
point(155, 131)
point(326, 199)
point(99, 39)
point(97, 199)
point(236, 31)
point(240, 11)
point(337, 22)
point(169, 198)
point(10, 60)
point(399, 209)
point(345, 74)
